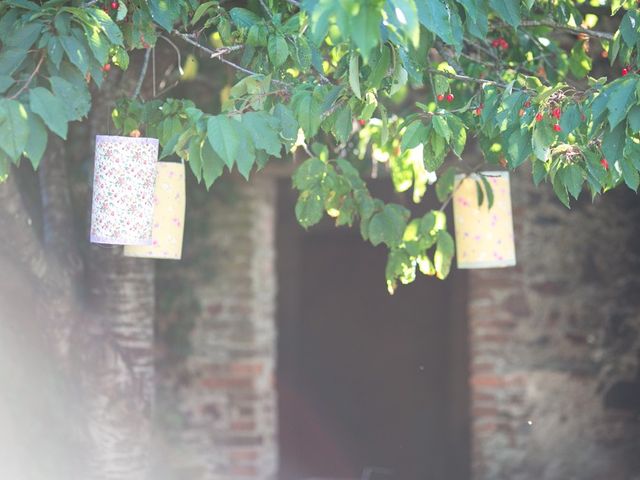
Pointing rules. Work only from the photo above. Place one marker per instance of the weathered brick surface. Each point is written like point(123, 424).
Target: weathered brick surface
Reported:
point(551, 337)
point(223, 391)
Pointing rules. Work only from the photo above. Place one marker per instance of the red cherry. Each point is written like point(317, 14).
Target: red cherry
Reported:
point(539, 117)
point(521, 112)
point(557, 128)
point(556, 113)
point(440, 97)
point(495, 43)
point(450, 97)
point(604, 163)
point(527, 104)
point(362, 123)
point(624, 71)
point(106, 67)
point(114, 6)
point(478, 111)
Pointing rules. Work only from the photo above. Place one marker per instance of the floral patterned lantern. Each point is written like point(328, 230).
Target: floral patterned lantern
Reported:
point(484, 236)
point(123, 181)
point(168, 217)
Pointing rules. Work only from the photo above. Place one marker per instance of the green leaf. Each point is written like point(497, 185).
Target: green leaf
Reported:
point(365, 26)
point(37, 141)
point(476, 17)
point(303, 53)
point(309, 174)
point(441, 127)
point(539, 171)
point(629, 28)
point(458, 134)
point(212, 164)
point(621, 98)
point(379, 70)
point(580, 62)
point(5, 82)
point(388, 225)
point(354, 75)
point(263, 130)
point(76, 53)
point(479, 193)
point(541, 140)
point(507, 10)
point(111, 30)
point(634, 119)
point(246, 160)
point(201, 10)
point(309, 208)
point(444, 185)
point(288, 123)
point(51, 109)
point(571, 119)
point(444, 254)
point(222, 134)
point(572, 178)
point(613, 144)
point(75, 98)
point(629, 173)
point(560, 190)
point(243, 18)
point(309, 114)
point(195, 157)
point(488, 190)
point(97, 43)
point(344, 124)
point(278, 50)
point(164, 12)
point(14, 128)
point(519, 147)
point(416, 134)
point(438, 17)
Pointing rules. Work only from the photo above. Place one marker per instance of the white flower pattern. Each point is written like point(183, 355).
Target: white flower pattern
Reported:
point(123, 186)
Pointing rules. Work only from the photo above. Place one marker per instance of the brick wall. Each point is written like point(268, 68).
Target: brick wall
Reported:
point(222, 392)
point(555, 344)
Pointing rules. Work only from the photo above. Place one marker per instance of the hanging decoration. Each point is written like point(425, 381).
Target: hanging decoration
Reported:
point(168, 217)
point(484, 236)
point(123, 183)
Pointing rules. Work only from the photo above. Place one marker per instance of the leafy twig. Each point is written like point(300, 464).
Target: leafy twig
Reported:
point(218, 55)
point(466, 78)
point(143, 73)
point(568, 28)
point(31, 77)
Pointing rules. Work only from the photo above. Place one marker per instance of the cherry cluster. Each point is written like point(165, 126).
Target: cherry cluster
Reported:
point(500, 43)
point(449, 97)
point(114, 6)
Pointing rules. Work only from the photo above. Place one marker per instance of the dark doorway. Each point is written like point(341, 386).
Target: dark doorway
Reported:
point(366, 380)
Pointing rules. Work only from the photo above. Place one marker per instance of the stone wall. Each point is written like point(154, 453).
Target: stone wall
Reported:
point(220, 393)
point(555, 343)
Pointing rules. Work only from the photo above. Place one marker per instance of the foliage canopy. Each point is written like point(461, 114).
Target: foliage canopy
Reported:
point(351, 84)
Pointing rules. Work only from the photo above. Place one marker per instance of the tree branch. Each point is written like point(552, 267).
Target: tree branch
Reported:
point(217, 54)
point(143, 73)
point(567, 28)
point(31, 77)
point(466, 78)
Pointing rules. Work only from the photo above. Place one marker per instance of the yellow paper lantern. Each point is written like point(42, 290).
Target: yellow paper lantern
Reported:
point(168, 216)
point(484, 236)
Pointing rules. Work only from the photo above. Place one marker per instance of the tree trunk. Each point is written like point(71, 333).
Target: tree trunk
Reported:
point(98, 319)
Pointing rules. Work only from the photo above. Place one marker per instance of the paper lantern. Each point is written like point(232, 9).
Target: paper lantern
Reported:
point(123, 181)
point(484, 236)
point(168, 216)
